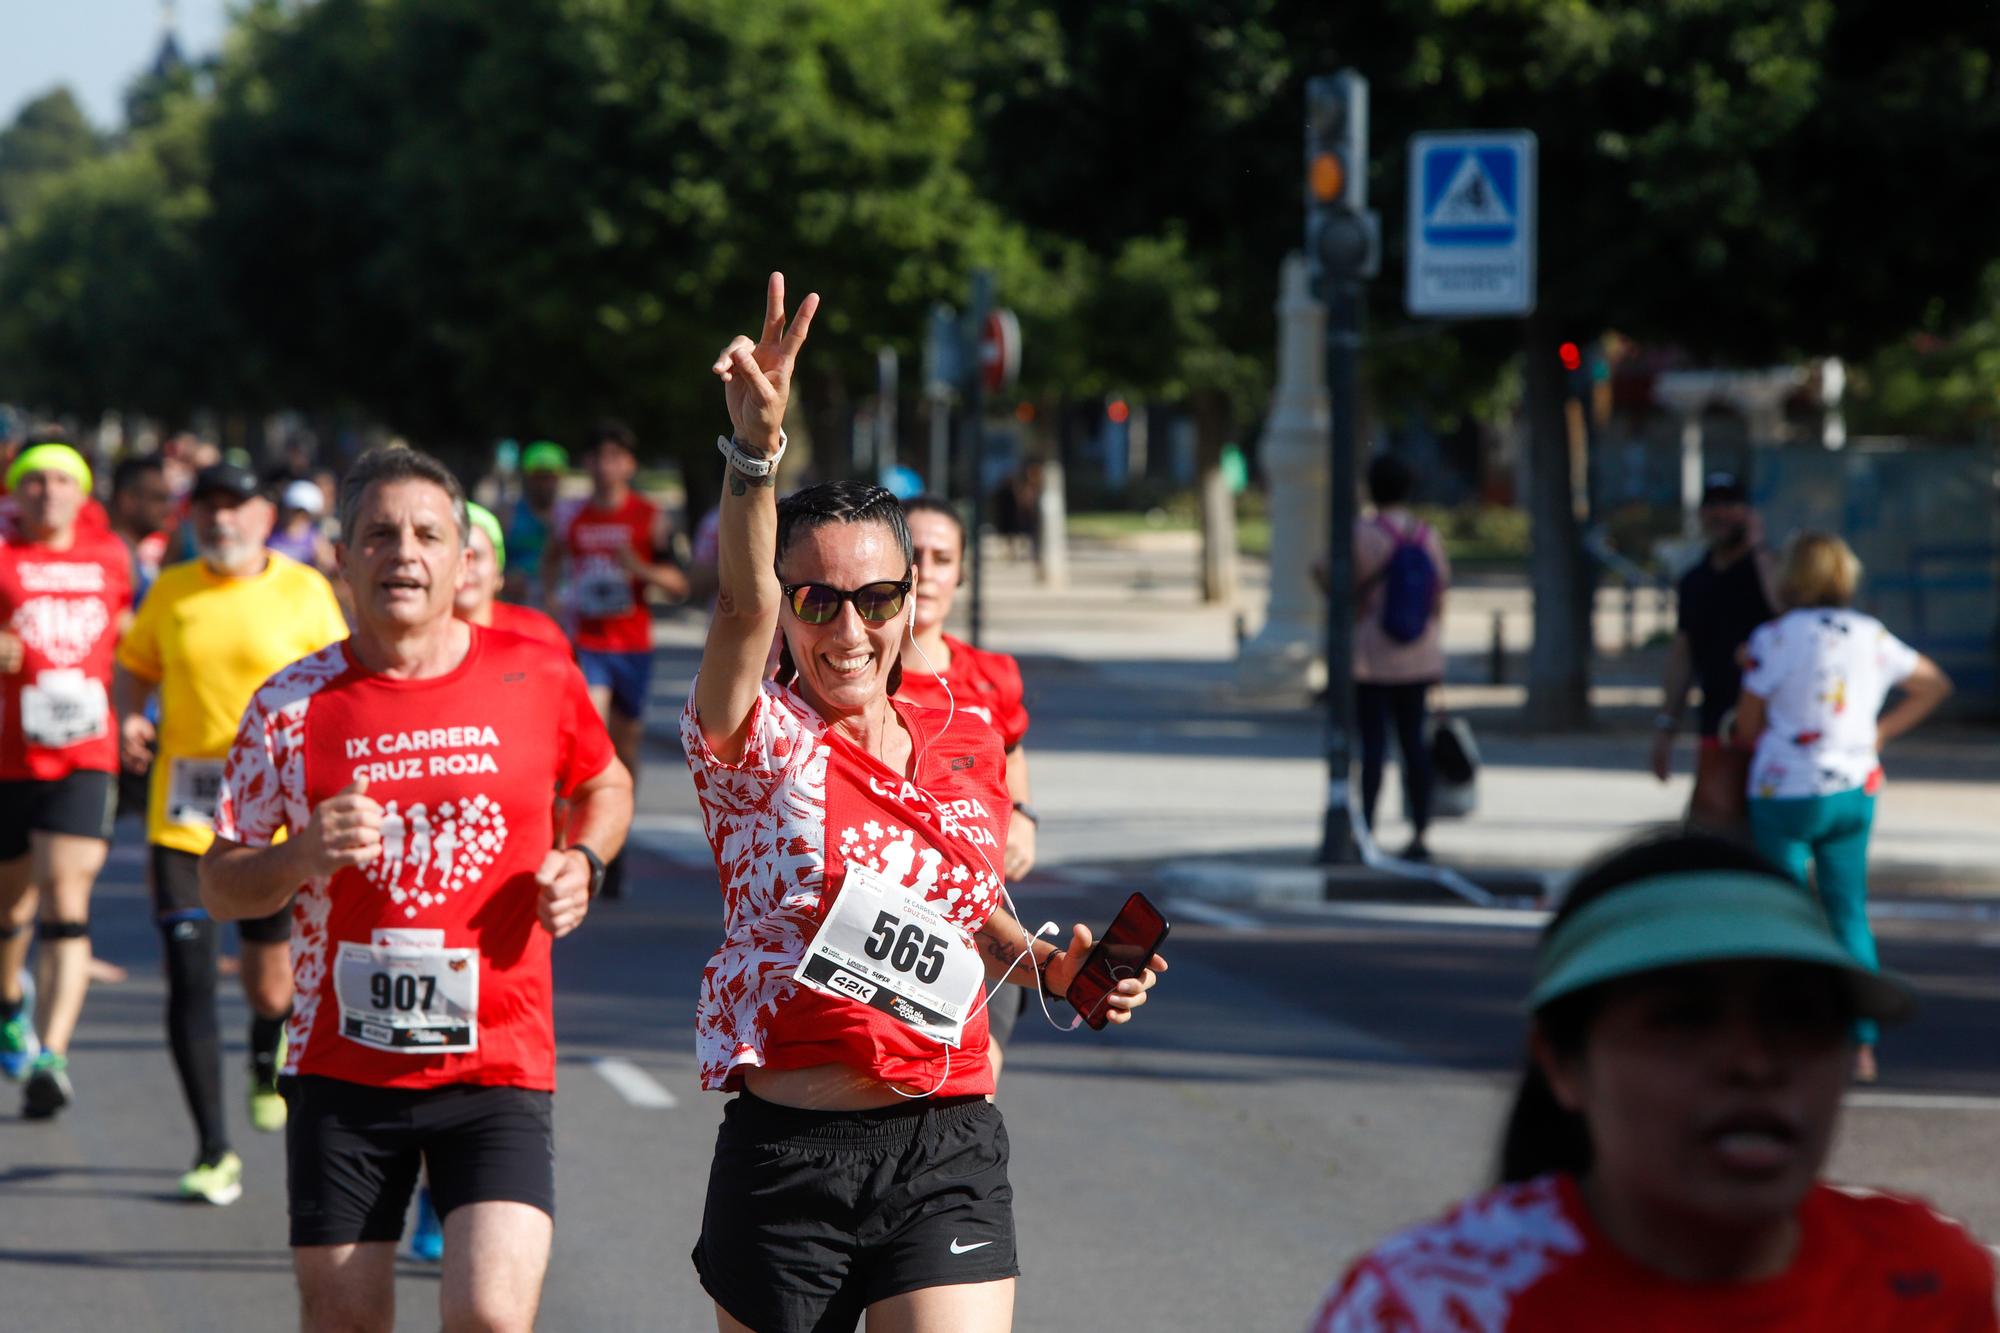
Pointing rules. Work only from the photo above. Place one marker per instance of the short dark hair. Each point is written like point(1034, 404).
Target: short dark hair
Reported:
point(1390, 480)
point(131, 468)
point(936, 504)
point(829, 503)
point(1542, 1135)
point(610, 430)
point(398, 462)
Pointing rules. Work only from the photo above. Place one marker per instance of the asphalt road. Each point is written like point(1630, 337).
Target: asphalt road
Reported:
point(1307, 1080)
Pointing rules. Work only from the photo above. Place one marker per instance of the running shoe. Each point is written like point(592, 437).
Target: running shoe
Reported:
point(267, 1104)
point(48, 1088)
point(427, 1240)
point(219, 1182)
point(18, 1043)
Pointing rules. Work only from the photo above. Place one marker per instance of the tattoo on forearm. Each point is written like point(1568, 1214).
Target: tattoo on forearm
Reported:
point(725, 602)
point(740, 484)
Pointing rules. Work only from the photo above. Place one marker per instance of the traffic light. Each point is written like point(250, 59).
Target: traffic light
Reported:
point(1343, 239)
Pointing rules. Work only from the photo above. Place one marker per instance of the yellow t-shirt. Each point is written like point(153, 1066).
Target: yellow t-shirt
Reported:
point(208, 642)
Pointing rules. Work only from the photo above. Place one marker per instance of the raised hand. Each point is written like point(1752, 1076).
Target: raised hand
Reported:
point(757, 377)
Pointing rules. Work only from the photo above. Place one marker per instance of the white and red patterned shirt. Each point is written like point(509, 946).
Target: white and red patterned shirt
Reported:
point(465, 765)
point(64, 606)
point(1529, 1258)
point(784, 822)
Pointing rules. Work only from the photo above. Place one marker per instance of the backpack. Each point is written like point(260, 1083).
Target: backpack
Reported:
point(1409, 585)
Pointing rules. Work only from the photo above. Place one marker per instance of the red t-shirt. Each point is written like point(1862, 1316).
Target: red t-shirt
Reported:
point(526, 621)
point(986, 685)
point(610, 604)
point(464, 765)
point(784, 822)
point(1528, 1258)
point(64, 606)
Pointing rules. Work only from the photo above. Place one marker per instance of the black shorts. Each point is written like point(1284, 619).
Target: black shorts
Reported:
point(177, 896)
point(352, 1152)
point(813, 1216)
point(82, 804)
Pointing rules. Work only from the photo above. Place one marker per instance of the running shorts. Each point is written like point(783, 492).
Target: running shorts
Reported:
point(177, 897)
point(352, 1152)
point(82, 804)
point(813, 1216)
point(629, 676)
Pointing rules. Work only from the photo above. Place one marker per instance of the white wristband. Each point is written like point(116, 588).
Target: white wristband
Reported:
point(750, 465)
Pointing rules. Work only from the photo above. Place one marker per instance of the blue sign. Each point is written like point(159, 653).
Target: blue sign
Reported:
point(1472, 224)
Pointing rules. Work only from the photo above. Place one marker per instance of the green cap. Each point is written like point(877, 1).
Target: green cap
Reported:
point(544, 456)
point(1704, 917)
point(49, 457)
point(483, 519)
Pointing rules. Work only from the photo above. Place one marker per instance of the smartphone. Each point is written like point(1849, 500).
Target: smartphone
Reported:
point(1136, 934)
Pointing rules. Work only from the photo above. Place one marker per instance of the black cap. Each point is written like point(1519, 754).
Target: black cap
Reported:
point(238, 483)
point(1723, 488)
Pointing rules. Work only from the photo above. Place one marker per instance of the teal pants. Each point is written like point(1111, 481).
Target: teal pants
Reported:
point(1829, 834)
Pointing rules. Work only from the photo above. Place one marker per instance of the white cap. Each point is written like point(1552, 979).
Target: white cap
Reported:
point(304, 495)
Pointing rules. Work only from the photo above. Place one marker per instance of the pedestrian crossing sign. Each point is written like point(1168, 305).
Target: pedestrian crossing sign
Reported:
point(1472, 224)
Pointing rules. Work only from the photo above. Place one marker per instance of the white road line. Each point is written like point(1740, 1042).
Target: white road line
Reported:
point(1922, 1101)
point(1210, 915)
point(632, 1083)
point(1428, 914)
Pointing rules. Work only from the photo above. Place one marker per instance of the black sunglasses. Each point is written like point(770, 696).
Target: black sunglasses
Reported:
point(817, 603)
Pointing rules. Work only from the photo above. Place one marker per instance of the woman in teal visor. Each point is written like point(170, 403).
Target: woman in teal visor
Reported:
point(1690, 1039)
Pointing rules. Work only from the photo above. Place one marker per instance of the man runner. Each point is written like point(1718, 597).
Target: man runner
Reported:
point(411, 769)
point(208, 634)
point(65, 594)
point(612, 549)
point(479, 592)
point(533, 517)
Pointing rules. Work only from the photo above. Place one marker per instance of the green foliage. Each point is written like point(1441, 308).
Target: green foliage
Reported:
point(1937, 383)
point(48, 137)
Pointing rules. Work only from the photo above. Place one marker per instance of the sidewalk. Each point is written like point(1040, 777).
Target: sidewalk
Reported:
point(1149, 764)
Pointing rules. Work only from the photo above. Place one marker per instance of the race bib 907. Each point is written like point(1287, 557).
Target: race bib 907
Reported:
point(405, 992)
point(885, 946)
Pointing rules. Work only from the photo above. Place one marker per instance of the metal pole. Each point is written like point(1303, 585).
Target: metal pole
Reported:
point(1343, 345)
point(975, 425)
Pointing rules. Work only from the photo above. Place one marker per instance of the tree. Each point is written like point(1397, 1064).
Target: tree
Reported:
point(48, 137)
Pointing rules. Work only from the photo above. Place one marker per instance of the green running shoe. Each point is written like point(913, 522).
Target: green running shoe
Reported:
point(219, 1182)
point(267, 1104)
point(48, 1089)
point(18, 1047)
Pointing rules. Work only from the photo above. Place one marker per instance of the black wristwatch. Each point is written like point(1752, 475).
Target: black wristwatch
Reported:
point(596, 866)
point(1027, 812)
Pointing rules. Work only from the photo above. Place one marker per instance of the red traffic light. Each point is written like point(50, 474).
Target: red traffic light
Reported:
point(1571, 356)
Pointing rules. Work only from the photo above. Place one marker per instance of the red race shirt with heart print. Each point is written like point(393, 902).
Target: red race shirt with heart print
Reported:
point(64, 606)
point(986, 685)
point(435, 944)
point(784, 822)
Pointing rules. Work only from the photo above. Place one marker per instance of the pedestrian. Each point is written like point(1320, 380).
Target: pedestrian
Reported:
point(410, 771)
point(485, 572)
point(1401, 574)
point(212, 630)
point(1728, 593)
point(603, 558)
point(1692, 1019)
point(862, 1169)
point(1814, 683)
point(298, 534)
point(142, 509)
point(65, 596)
point(944, 672)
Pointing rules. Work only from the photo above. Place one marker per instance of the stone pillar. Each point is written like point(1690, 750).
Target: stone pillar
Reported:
point(1286, 654)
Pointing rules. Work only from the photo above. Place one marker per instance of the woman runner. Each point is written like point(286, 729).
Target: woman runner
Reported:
point(940, 671)
point(1693, 1021)
point(862, 1169)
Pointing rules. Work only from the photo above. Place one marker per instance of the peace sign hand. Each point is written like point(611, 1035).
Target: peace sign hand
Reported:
point(757, 377)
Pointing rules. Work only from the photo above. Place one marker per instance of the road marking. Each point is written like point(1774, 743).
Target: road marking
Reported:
point(1430, 914)
point(632, 1083)
point(1922, 1101)
point(1210, 915)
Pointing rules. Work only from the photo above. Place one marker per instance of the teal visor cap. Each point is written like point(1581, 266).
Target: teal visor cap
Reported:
point(1705, 917)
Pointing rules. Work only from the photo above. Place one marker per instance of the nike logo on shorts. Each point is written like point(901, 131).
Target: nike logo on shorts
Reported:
point(956, 1248)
